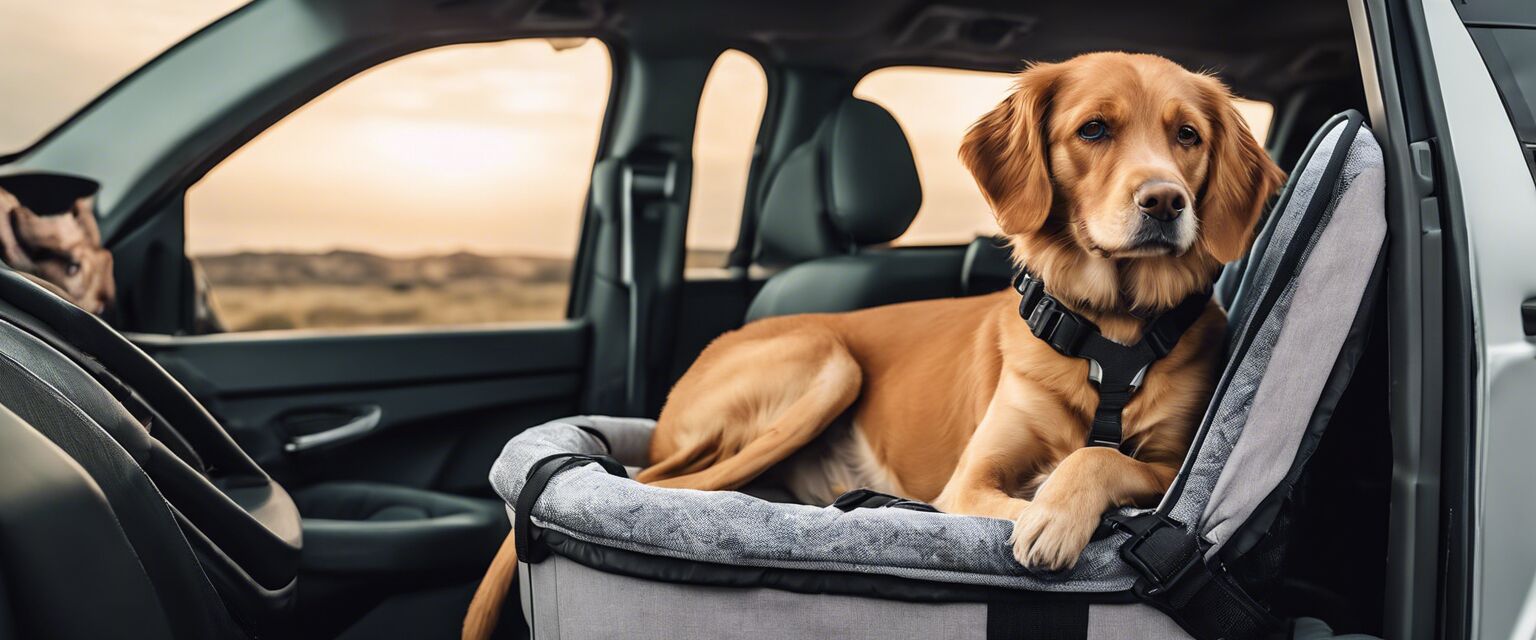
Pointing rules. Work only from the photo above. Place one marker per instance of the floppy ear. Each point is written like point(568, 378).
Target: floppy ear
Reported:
point(1005, 151)
point(11, 250)
point(85, 215)
point(1241, 179)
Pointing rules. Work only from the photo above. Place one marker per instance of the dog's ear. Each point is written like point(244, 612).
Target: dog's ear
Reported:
point(85, 215)
point(1006, 152)
point(10, 246)
point(1240, 181)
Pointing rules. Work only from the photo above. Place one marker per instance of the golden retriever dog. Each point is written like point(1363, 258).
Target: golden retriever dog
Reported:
point(1124, 182)
point(62, 249)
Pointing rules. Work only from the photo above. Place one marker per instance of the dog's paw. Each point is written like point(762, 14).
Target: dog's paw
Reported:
point(1050, 538)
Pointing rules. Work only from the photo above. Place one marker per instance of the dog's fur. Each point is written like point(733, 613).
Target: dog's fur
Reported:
point(955, 401)
point(61, 250)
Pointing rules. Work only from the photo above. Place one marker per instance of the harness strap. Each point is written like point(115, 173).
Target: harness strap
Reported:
point(1116, 369)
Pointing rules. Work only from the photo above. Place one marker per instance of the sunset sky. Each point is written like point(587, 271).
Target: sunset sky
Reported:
point(482, 147)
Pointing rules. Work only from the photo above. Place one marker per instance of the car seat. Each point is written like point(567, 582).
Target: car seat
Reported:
point(603, 556)
point(850, 188)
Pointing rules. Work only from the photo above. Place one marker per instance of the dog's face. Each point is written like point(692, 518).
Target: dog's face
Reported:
point(63, 249)
point(1123, 158)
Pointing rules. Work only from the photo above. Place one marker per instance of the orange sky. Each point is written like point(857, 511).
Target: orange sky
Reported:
point(483, 147)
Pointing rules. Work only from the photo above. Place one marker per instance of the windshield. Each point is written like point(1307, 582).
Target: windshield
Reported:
point(61, 54)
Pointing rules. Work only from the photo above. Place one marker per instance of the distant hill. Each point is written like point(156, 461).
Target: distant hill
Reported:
point(343, 267)
point(359, 268)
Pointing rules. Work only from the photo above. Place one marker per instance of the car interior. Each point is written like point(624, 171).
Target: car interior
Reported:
point(332, 484)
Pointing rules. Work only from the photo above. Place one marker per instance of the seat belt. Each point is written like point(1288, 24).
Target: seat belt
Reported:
point(1117, 370)
point(1177, 578)
point(643, 181)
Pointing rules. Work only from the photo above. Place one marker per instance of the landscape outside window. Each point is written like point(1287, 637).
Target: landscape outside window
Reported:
point(724, 141)
point(442, 188)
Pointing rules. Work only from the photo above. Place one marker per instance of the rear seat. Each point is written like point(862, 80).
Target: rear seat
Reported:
point(851, 187)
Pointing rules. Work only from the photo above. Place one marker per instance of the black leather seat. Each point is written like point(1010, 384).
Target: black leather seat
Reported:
point(851, 187)
point(207, 544)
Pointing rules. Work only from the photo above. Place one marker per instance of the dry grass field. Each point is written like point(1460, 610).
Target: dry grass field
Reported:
point(330, 306)
point(347, 289)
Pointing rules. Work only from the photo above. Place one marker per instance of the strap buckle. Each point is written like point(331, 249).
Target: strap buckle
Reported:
point(1055, 325)
point(1160, 549)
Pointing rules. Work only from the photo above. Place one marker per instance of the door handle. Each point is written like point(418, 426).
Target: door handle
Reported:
point(1528, 317)
point(363, 421)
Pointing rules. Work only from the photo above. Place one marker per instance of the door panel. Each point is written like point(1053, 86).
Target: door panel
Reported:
point(447, 400)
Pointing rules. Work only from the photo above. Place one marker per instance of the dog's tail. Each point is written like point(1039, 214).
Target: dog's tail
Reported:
point(485, 607)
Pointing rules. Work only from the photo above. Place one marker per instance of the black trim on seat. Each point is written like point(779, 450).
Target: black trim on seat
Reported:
point(1037, 621)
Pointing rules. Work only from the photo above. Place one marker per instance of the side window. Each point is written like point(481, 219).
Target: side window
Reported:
point(445, 187)
point(953, 210)
point(724, 143)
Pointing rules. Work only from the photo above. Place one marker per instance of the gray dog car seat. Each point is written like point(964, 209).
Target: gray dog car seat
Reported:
point(603, 556)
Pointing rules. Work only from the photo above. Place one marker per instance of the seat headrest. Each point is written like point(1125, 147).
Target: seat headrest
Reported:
point(853, 184)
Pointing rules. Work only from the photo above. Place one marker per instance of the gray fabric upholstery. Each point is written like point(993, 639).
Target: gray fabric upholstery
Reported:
point(853, 184)
point(564, 600)
point(1320, 301)
point(579, 603)
point(734, 528)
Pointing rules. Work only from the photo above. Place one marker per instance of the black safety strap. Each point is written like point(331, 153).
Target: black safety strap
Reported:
point(1047, 619)
point(871, 499)
point(1116, 369)
point(539, 476)
point(1199, 594)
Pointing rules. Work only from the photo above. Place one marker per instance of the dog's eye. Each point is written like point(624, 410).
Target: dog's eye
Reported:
point(73, 268)
point(1188, 136)
point(1094, 130)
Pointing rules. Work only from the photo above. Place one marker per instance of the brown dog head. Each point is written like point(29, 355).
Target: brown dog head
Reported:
point(1124, 180)
point(62, 249)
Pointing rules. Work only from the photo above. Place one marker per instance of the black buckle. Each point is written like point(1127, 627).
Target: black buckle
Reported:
point(1055, 325)
point(1157, 533)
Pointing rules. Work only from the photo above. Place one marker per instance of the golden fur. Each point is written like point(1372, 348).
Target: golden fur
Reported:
point(955, 401)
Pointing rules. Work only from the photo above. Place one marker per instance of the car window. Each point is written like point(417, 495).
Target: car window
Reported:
point(60, 54)
point(445, 187)
point(724, 143)
point(935, 107)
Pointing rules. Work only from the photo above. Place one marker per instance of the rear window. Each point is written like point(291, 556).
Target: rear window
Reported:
point(935, 106)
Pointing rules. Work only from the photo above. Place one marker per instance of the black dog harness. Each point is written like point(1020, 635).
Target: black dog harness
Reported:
point(1116, 369)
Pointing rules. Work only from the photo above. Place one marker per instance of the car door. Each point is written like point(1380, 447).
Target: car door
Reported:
point(376, 287)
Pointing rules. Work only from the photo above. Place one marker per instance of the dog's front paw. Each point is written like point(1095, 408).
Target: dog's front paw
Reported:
point(1047, 537)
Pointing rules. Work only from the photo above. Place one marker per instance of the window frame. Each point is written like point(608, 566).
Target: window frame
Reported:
point(186, 294)
point(739, 255)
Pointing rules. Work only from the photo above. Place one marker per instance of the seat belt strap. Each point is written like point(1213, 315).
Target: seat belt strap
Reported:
point(1178, 579)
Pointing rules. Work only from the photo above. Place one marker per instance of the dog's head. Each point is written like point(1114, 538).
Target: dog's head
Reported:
point(63, 249)
point(1126, 174)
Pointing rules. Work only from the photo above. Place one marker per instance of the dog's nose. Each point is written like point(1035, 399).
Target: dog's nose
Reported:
point(1161, 200)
